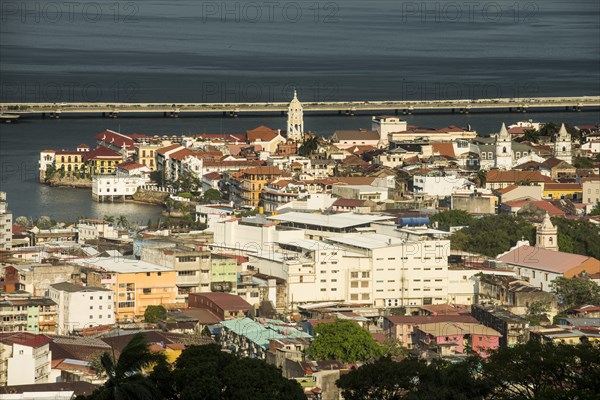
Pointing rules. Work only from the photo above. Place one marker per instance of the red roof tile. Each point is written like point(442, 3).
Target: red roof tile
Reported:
point(24, 339)
point(101, 152)
point(262, 133)
point(116, 139)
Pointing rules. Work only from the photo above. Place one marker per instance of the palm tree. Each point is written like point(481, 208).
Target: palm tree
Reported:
point(126, 380)
point(109, 218)
point(122, 222)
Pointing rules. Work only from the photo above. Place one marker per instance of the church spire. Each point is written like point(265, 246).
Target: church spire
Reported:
point(547, 234)
point(295, 122)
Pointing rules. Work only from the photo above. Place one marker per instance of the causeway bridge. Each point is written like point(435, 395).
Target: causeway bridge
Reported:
point(173, 110)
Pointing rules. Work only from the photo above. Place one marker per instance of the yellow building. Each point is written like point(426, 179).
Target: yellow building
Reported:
point(136, 285)
point(103, 161)
point(145, 154)
point(70, 161)
point(563, 191)
point(253, 180)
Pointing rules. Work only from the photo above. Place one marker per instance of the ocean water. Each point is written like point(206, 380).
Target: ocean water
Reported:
point(244, 51)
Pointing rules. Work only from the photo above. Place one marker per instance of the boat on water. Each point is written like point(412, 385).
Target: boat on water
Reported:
point(8, 118)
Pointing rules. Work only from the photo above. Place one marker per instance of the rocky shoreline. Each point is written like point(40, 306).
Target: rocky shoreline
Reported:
point(68, 181)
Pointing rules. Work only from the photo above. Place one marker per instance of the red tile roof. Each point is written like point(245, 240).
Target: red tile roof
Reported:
point(428, 319)
point(24, 339)
point(225, 301)
point(116, 139)
point(166, 149)
point(262, 133)
point(213, 176)
point(130, 165)
point(515, 176)
point(445, 149)
point(562, 186)
point(542, 204)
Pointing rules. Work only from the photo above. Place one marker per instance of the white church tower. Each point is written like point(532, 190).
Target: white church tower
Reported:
point(504, 153)
point(547, 235)
point(562, 145)
point(295, 122)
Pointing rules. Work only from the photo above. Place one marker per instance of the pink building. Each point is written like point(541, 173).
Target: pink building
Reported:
point(458, 338)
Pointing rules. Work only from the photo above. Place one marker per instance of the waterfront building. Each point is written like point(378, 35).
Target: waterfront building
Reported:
point(47, 161)
point(81, 307)
point(68, 161)
point(295, 120)
point(145, 154)
point(116, 187)
point(103, 161)
point(25, 358)
point(117, 142)
point(6, 219)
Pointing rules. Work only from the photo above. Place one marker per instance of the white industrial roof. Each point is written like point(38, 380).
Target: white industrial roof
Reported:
point(367, 240)
point(122, 265)
point(339, 221)
point(309, 244)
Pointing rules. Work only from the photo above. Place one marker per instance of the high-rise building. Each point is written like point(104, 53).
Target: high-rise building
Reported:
point(5, 224)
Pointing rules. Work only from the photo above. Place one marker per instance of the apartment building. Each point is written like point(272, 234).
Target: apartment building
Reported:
point(25, 358)
point(28, 314)
point(92, 229)
point(192, 268)
point(135, 284)
point(81, 307)
point(251, 183)
point(6, 219)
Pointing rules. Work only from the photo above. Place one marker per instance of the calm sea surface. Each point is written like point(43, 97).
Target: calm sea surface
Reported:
point(242, 51)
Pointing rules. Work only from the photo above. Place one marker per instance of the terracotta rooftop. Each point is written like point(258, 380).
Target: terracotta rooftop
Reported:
point(24, 339)
point(225, 301)
point(515, 176)
point(547, 260)
point(262, 133)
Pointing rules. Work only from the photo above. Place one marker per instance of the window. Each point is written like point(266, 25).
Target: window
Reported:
point(91, 307)
point(91, 317)
point(365, 274)
point(354, 275)
point(147, 291)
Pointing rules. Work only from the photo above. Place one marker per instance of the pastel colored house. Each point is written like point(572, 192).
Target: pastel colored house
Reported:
point(458, 338)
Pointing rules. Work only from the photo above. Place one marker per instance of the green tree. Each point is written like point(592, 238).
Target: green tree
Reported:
point(544, 371)
point(583, 163)
point(155, 313)
point(537, 312)
point(493, 234)
point(414, 379)
point(22, 221)
point(187, 182)
point(447, 219)
point(481, 177)
point(206, 372)
point(109, 218)
point(149, 223)
point(343, 340)
point(576, 291)
point(122, 222)
point(578, 236)
point(596, 209)
point(309, 147)
point(212, 195)
point(126, 379)
point(44, 222)
point(158, 176)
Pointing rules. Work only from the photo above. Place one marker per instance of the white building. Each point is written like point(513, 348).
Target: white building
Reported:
point(5, 224)
point(436, 185)
point(91, 229)
point(361, 192)
point(46, 160)
point(26, 358)
point(295, 121)
point(116, 187)
point(82, 307)
point(591, 191)
point(386, 124)
point(563, 145)
point(504, 155)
